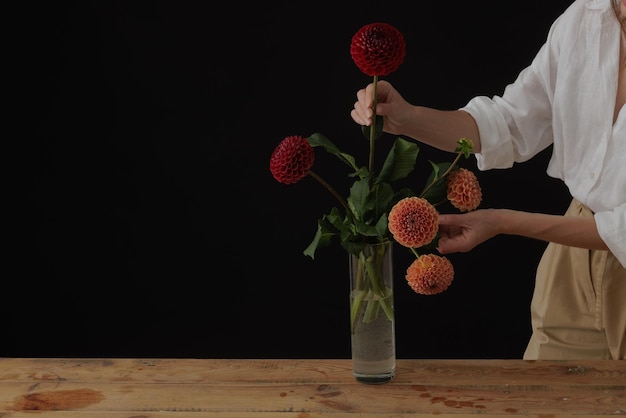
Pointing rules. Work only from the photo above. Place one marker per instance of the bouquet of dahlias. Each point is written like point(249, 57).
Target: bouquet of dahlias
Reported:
point(373, 212)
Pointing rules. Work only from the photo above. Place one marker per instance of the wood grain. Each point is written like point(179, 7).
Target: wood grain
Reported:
point(147, 388)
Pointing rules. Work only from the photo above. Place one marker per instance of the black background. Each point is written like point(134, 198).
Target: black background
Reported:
point(149, 223)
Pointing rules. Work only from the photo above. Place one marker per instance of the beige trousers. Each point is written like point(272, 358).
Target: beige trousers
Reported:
point(578, 309)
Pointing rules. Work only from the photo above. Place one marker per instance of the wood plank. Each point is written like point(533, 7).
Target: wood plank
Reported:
point(352, 398)
point(244, 371)
point(308, 388)
point(244, 414)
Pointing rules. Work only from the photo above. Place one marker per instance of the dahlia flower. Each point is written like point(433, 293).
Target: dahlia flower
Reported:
point(291, 160)
point(430, 274)
point(414, 222)
point(378, 49)
point(463, 190)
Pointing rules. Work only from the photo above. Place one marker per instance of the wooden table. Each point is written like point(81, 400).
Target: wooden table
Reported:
point(193, 388)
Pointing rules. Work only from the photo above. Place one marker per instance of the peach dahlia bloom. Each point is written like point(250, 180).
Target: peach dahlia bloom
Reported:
point(430, 274)
point(413, 222)
point(463, 190)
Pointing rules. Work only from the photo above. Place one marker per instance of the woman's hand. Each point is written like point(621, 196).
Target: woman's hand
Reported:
point(463, 232)
point(396, 111)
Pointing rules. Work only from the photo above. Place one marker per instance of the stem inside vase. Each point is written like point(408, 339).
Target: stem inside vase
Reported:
point(372, 319)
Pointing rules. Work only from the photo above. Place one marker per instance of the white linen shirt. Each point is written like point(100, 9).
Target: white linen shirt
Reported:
point(566, 97)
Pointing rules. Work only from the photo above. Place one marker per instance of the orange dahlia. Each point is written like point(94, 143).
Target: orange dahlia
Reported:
point(463, 190)
point(292, 159)
point(378, 49)
point(414, 222)
point(430, 274)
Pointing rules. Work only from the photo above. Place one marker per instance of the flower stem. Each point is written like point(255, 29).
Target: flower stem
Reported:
point(334, 193)
point(443, 176)
point(369, 293)
point(373, 126)
point(355, 309)
point(371, 311)
point(380, 297)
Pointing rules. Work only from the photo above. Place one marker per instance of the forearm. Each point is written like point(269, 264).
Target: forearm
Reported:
point(566, 230)
point(442, 129)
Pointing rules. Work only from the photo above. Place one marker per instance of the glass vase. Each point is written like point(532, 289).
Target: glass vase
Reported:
point(372, 323)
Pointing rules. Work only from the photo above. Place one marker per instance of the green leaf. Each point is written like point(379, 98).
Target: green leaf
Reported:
point(368, 230)
point(401, 194)
point(465, 147)
point(320, 240)
point(382, 225)
point(353, 247)
point(400, 161)
point(358, 198)
point(380, 198)
point(436, 187)
point(327, 228)
point(378, 129)
point(368, 205)
point(319, 140)
point(361, 173)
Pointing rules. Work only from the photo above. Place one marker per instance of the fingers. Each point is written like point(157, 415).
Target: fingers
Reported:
point(453, 244)
point(451, 219)
point(362, 112)
point(448, 238)
point(455, 234)
point(362, 115)
point(442, 247)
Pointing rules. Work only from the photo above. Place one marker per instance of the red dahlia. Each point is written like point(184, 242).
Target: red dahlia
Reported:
point(292, 159)
point(378, 49)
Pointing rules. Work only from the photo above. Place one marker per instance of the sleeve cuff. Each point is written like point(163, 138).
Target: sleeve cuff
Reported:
point(495, 139)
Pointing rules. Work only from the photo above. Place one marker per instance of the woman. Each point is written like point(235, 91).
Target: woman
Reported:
point(572, 97)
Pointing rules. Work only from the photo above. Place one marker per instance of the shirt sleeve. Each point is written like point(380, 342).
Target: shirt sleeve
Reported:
point(612, 229)
point(517, 126)
point(495, 140)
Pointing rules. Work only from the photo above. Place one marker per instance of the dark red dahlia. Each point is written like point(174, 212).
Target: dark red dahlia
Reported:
point(292, 159)
point(378, 49)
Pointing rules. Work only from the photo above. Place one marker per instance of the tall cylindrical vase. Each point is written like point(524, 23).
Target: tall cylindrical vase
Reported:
point(372, 321)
